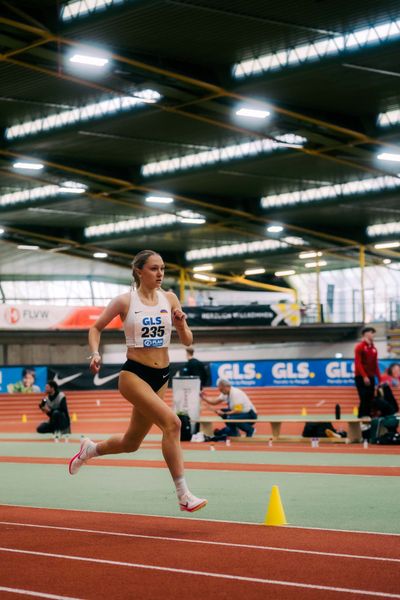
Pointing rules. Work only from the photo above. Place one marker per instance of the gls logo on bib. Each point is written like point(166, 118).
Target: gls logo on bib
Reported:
point(151, 321)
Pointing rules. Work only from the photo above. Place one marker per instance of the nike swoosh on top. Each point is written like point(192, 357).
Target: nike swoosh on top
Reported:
point(102, 380)
point(167, 375)
point(63, 380)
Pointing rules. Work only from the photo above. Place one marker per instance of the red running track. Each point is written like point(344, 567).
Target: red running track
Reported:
point(89, 555)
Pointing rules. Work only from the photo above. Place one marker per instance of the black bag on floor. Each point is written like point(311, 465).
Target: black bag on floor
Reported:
point(317, 429)
point(389, 439)
point(186, 429)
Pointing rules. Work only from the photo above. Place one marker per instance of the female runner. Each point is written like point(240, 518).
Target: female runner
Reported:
point(148, 314)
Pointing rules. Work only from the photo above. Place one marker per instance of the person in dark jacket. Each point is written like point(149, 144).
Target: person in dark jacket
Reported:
point(195, 368)
point(54, 405)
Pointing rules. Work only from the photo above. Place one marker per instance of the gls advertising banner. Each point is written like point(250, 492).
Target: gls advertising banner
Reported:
point(319, 372)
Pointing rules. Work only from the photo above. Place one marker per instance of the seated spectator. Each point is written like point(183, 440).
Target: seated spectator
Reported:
point(26, 385)
point(392, 375)
point(385, 403)
point(54, 405)
point(239, 407)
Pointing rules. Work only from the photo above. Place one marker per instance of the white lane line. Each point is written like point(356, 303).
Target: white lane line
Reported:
point(35, 594)
point(193, 518)
point(116, 563)
point(320, 403)
point(205, 542)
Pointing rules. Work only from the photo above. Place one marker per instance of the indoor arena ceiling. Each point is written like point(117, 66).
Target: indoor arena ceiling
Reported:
point(160, 119)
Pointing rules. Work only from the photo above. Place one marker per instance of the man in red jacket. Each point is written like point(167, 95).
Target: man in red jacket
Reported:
point(366, 368)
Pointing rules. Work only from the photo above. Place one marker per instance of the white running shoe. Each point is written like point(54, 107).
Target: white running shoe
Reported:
point(190, 503)
point(81, 457)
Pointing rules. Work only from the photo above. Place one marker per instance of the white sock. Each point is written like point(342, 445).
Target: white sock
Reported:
point(181, 486)
point(91, 450)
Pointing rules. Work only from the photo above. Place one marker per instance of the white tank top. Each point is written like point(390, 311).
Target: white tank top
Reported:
point(148, 326)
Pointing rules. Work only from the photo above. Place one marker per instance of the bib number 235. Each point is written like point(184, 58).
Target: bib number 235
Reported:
point(153, 331)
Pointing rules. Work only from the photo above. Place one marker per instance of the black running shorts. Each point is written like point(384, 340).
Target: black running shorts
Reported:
point(155, 378)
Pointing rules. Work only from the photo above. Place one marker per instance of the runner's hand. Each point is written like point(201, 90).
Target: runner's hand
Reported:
point(94, 366)
point(178, 318)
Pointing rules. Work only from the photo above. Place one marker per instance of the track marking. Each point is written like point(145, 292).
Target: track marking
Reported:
point(116, 563)
point(35, 594)
point(193, 518)
point(205, 542)
point(320, 403)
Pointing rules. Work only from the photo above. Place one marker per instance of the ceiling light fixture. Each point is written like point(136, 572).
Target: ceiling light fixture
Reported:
point(329, 46)
point(81, 8)
point(203, 268)
point(37, 193)
point(223, 154)
point(159, 199)
point(253, 113)
point(71, 187)
point(100, 255)
point(255, 271)
point(207, 278)
point(1, 231)
point(383, 229)
point(294, 240)
point(91, 61)
point(384, 245)
point(311, 254)
point(388, 156)
point(98, 110)
point(350, 188)
point(274, 228)
point(234, 249)
point(28, 166)
point(27, 247)
point(386, 261)
point(127, 225)
point(284, 273)
point(155, 221)
point(314, 265)
point(389, 118)
point(188, 216)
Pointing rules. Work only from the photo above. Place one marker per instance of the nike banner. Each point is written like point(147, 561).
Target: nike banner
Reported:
point(78, 377)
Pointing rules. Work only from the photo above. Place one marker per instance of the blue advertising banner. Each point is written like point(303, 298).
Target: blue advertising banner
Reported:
point(315, 372)
point(22, 379)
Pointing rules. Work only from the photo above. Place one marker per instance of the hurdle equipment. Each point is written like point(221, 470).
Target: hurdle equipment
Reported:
point(303, 412)
point(74, 417)
point(24, 419)
point(275, 514)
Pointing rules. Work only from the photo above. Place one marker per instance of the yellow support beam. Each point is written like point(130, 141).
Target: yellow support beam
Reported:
point(182, 279)
point(362, 281)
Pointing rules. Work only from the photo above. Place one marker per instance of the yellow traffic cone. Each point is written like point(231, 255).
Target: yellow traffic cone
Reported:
point(74, 417)
point(303, 412)
point(24, 419)
point(275, 514)
point(355, 411)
